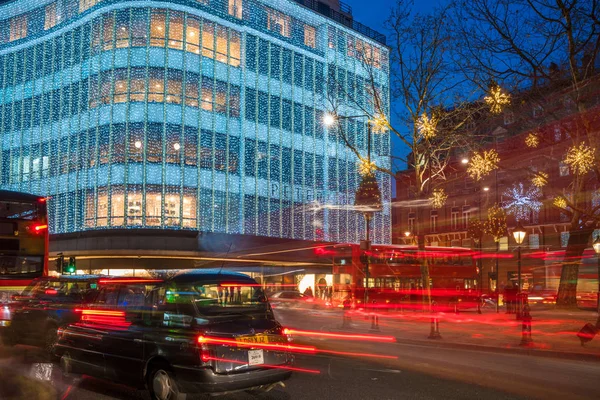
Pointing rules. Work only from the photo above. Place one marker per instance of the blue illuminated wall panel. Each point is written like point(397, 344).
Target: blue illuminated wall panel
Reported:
point(203, 115)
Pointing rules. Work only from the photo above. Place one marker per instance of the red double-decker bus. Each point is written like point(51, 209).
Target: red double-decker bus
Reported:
point(23, 241)
point(396, 279)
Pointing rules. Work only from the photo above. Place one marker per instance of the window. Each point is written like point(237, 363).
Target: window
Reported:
point(509, 117)
point(18, 27)
point(433, 221)
point(534, 241)
point(411, 222)
point(503, 244)
point(466, 212)
point(331, 36)
point(538, 111)
point(564, 239)
point(51, 17)
point(193, 36)
point(235, 8)
point(157, 28)
point(278, 22)
point(454, 218)
point(176, 30)
point(310, 36)
point(85, 4)
point(563, 169)
point(557, 133)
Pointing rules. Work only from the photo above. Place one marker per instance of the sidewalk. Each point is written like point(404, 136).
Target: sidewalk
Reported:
point(553, 331)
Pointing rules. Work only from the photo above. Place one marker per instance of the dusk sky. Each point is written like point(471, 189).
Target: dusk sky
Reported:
point(373, 13)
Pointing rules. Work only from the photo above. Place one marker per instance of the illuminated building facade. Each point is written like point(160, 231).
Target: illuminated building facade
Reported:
point(200, 115)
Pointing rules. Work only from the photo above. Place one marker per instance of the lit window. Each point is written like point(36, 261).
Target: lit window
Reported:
point(51, 17)
point(411, 222)
point(235, 8)
point(208, 40)
point(18, 27)
point(332, 37)
point(176, 30)
point(222, 44)
point(193, 36)
point(107, 31)
point(503, 244)
point(310, 36)
point(466, 212)
point(157, 28)
point(234, 49)
point(85, 4)
point(564, 239)
point(278, 22)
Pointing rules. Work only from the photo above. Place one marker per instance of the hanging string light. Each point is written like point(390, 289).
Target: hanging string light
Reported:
point(540, 179)
point(427, 127)
point(580, 159)
point(438, 198)
point(482, 164)
point(497, 99)
point(532, 140)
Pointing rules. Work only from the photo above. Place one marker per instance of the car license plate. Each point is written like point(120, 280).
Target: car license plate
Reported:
point(256, 357)
point(253, 339)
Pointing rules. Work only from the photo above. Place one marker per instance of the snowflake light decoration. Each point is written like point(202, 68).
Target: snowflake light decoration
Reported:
point(560, 202)
point(366, 167)
point(438, 198)
point(540, 179)
point(379, 123)
point(426, 126)
point(482, 164)
point(520, 201)
point(497, 99)
point(580, 158)
point(496, 223)
point(532, 140)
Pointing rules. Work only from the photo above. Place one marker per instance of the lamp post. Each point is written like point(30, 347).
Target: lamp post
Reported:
point(368, 195)
point(596, 246)
point(519, 235)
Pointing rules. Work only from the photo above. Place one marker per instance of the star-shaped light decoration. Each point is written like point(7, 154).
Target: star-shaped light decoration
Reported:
point(540, 179)
point(379, 123)
point(532, 140)
point(520, 201)
point(560, 202)
point(482, 164)
point(366, 167)
point(426, 126)
point(438, 198)
point(497, 99)
point(580, 159)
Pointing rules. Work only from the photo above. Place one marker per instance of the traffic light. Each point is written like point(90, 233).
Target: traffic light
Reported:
point(60, 263)
point(71, 268)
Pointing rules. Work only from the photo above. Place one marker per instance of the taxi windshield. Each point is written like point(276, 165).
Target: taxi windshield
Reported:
point(217, 298)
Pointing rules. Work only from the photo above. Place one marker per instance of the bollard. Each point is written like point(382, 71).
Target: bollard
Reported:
point(435, 329)
point(347, 305)
point(374, 319)
point(526, 340)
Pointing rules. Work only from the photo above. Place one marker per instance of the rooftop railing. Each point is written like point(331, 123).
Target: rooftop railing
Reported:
point(344, 17)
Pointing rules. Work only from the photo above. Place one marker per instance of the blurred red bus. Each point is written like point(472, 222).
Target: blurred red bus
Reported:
point(395, 278)
point(587, 279)
point(23, 241)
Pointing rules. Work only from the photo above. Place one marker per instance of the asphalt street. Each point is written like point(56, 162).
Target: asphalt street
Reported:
point(410, 371)
point(337, 378)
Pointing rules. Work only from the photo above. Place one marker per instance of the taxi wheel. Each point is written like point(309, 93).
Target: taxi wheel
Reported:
point(162, 385)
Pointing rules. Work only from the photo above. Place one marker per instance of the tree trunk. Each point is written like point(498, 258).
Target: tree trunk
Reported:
point(567, 289)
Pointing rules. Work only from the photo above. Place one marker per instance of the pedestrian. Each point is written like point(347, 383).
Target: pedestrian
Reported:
point(308, 292)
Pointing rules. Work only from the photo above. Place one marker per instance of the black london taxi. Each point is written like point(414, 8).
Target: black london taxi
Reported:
point(44, 306)
point(201, 331)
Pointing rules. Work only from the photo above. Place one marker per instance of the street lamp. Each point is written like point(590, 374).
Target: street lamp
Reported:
point(519, 235)
point(368, 195)
point(596, 246)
